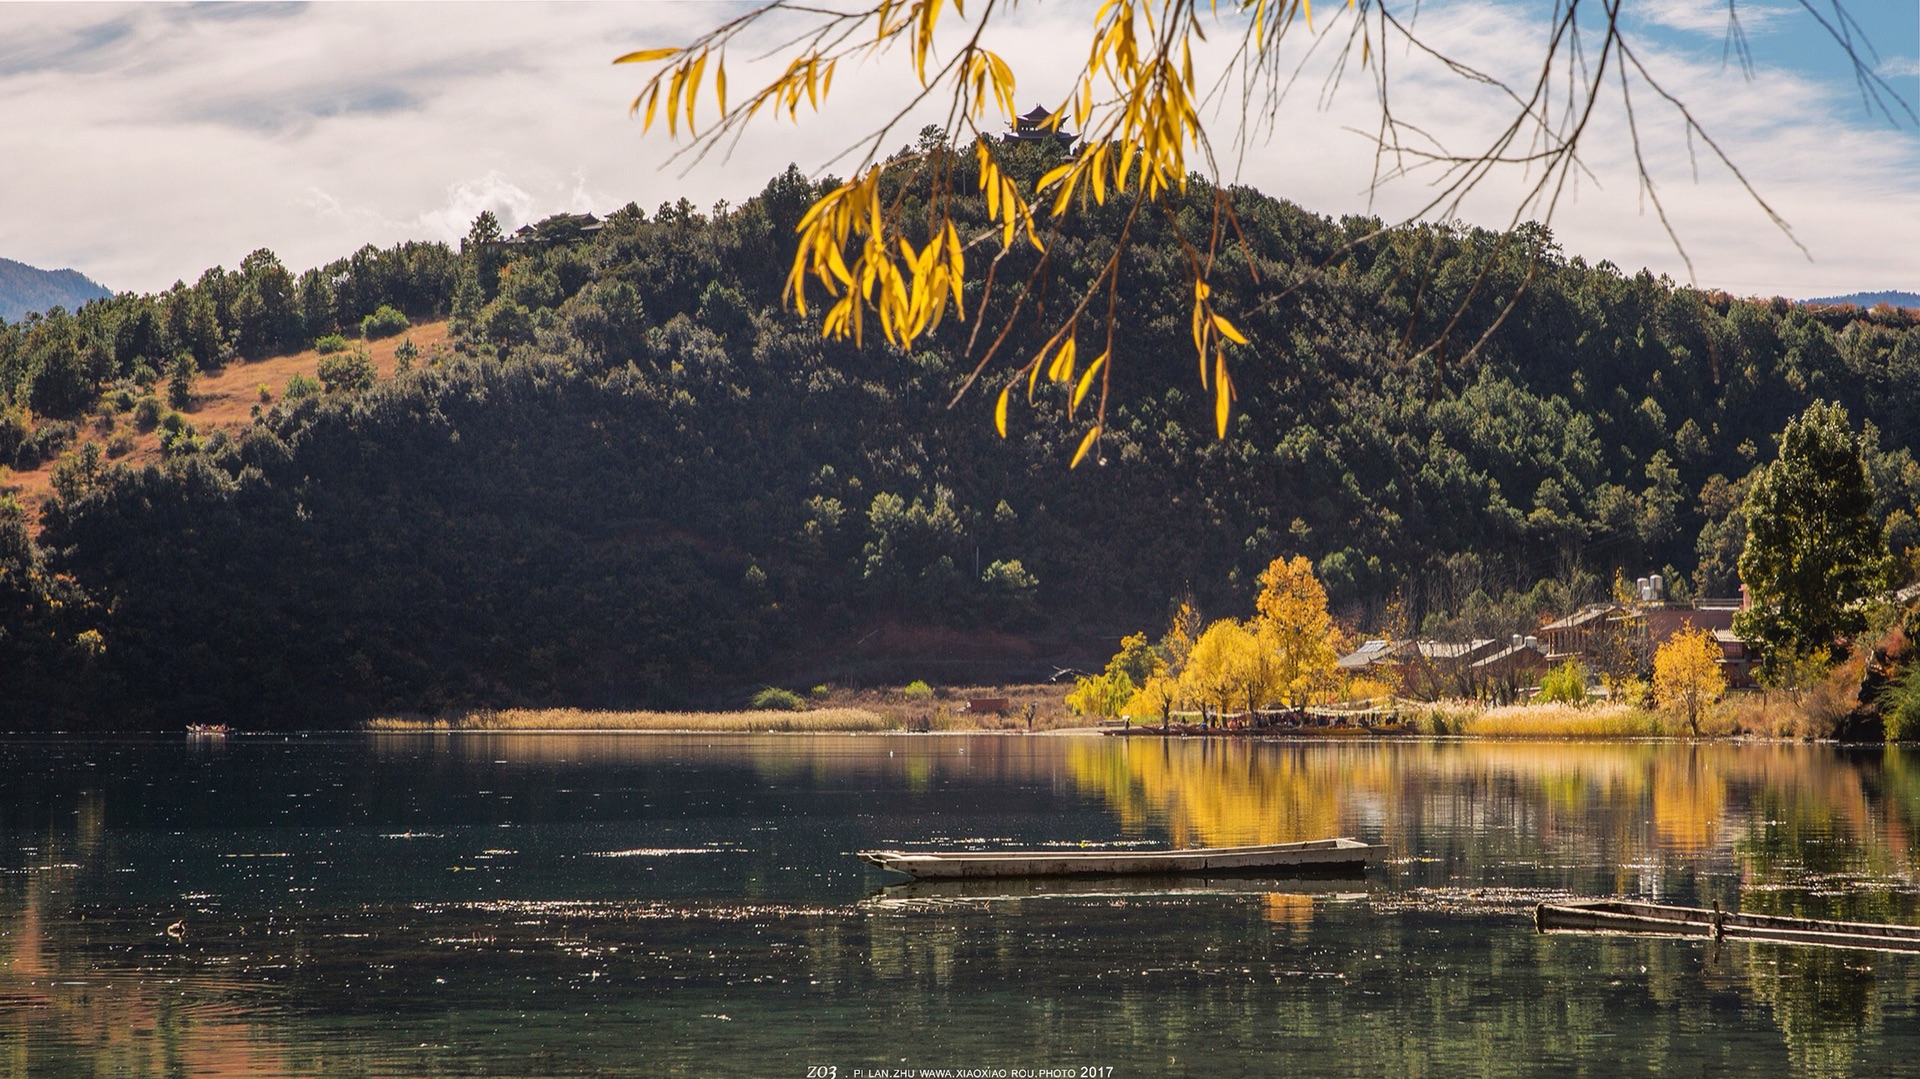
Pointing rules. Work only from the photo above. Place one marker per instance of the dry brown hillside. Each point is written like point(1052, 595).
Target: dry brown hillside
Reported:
point(223, 401)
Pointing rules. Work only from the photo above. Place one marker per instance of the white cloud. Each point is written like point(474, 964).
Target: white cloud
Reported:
point(1715, 16)
point(466, 200)
point(149, 142)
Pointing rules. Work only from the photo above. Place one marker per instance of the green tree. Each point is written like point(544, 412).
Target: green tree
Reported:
point(1101, 695)
point(1814, 545)
point(1137, 659)
point(193, 322)
point(266, 314)
point(350, 371)
point(485, 230)
point(385, 322)
point(1567, 682)
point(301, 385)
point(180, 380)
point(1111, 693)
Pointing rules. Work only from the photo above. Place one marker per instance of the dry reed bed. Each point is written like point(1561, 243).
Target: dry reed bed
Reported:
point(575, 719)
point(1566, 721)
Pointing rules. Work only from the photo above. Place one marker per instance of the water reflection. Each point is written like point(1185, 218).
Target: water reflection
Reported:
point(559, 904)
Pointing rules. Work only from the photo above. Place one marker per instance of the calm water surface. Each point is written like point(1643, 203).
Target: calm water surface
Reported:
point(667, 906)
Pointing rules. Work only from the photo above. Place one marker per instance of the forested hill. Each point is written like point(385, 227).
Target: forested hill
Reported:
point(24, 288)
point(1873, 299)
point(641, 480)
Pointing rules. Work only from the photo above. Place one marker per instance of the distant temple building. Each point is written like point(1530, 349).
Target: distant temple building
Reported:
point(558, 229)
point(1037, 126)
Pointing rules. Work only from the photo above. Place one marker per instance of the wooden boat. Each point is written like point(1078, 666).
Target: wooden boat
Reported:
point(1628, 916)
point(911, 893)
point(1318, 855)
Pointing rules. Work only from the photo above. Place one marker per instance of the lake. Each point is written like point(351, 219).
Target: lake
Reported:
point(664, 905)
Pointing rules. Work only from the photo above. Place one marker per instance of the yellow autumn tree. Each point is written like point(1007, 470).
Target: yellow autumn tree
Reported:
point(1687, 676)
point(1103, 695)
point(1158, 697)
point(1294, 623)
point(1183, 629)
point(1214, 677)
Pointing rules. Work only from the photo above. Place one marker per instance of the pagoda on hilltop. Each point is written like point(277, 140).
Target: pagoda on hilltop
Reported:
point(1039, 125)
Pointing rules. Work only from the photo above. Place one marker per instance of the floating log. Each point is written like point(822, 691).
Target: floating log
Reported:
point(1632, 917)
point(1318, 855)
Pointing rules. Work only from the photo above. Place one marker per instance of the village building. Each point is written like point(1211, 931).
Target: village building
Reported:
point(1582, 635)
point(1618, 639)
point(1425, 668)
point(1505, 674)
point(1612, 635)
point(1738, 658)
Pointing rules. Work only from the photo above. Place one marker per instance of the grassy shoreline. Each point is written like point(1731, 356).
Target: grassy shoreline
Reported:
point(824, 720)
point(1747, 716)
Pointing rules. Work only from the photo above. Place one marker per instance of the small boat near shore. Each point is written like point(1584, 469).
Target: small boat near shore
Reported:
point(909, 893)
point(1313, 856)
point(1632, 917)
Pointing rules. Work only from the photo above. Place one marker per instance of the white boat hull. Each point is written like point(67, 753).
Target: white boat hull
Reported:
point(1313, 855)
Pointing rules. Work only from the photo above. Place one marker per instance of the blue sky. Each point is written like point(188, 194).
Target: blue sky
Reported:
point(1786, 33)
point(147, 142)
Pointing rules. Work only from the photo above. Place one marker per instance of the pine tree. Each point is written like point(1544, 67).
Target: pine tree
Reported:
point(1814, 546)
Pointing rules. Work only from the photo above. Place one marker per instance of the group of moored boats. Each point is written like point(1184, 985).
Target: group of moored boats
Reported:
point(1344, 857)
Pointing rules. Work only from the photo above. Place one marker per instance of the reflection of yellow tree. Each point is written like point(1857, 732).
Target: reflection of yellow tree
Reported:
point(1287, 908)
point(104, 1021)
point(1689, 801)
point(1215, 794)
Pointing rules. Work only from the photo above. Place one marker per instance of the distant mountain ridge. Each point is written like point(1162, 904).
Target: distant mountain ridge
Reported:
point(25, 288)
point(1894, 298)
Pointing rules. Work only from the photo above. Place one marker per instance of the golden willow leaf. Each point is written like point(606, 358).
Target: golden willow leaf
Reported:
point(1086, 380)
point(1085, 445)
point(1000, 410)
point(1227, 329)
point(693, 87)
point(957, 259)
point(720, 87)
point(647, 56)
point(674, 87)
point(1062, 367)
point(1222, 394)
